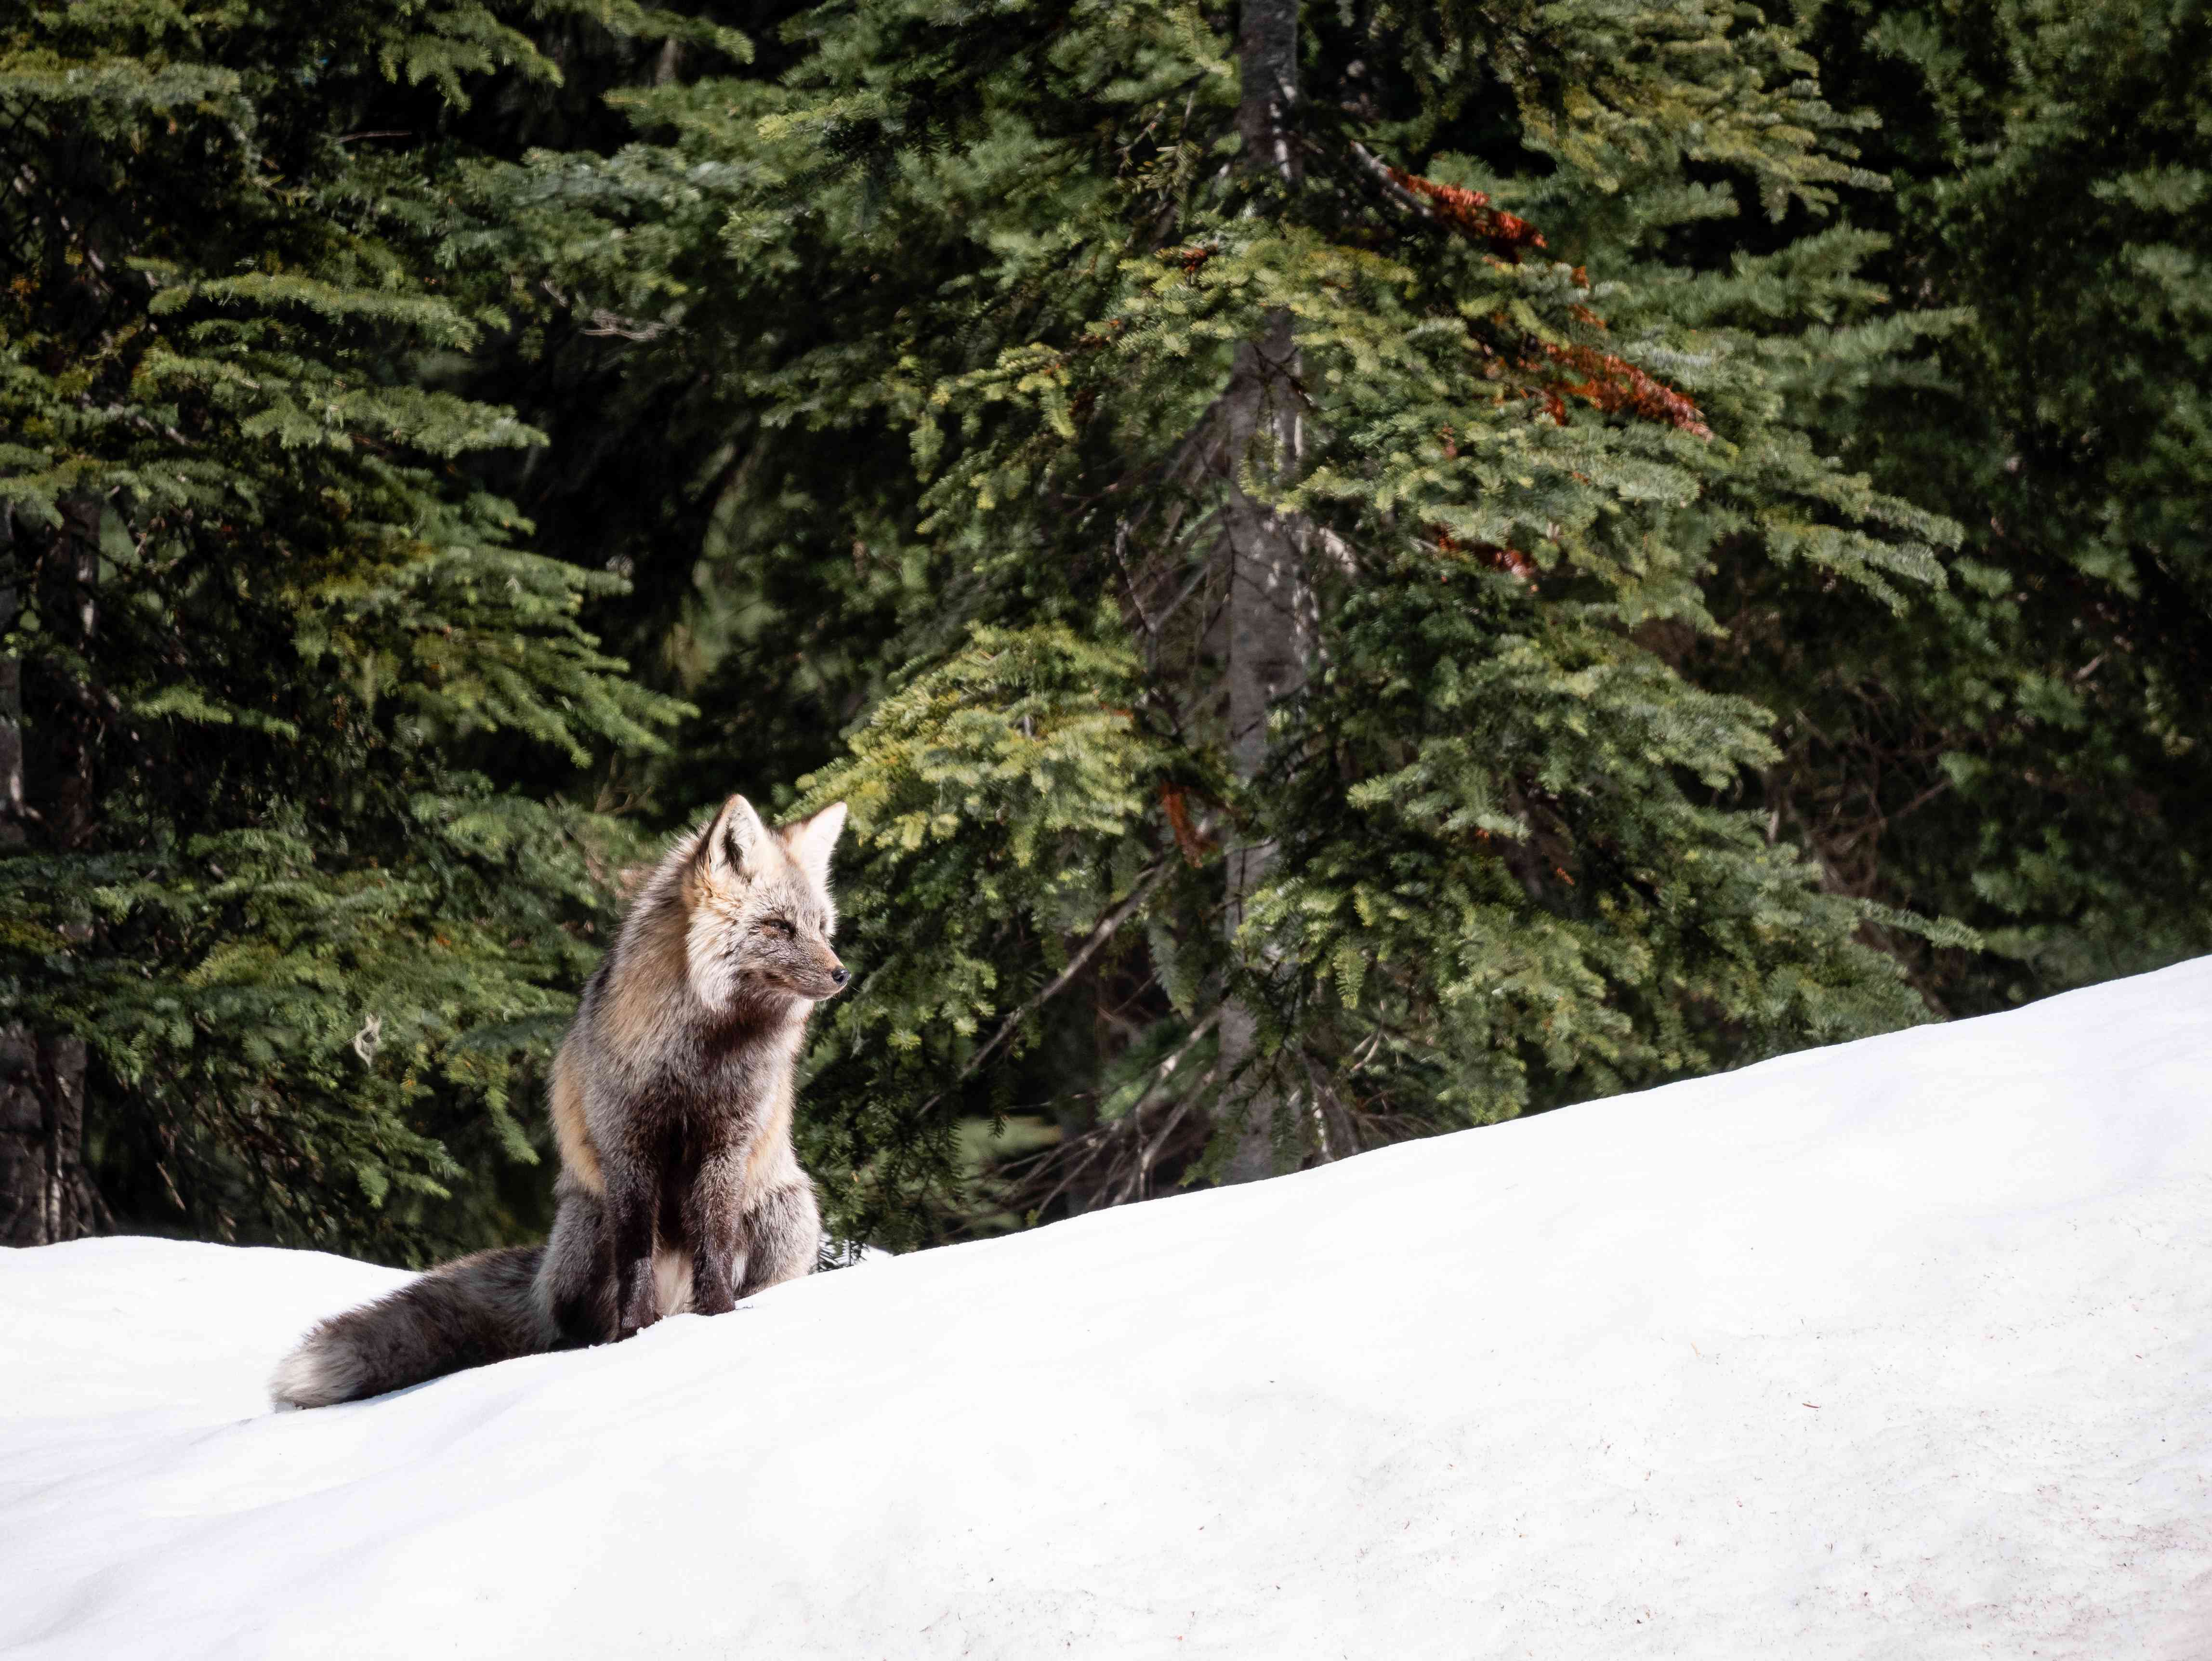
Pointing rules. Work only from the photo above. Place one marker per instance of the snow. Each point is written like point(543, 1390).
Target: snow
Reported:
point(1902, 1349)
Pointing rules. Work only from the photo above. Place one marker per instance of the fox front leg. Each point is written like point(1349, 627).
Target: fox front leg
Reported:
point(713, 1218)
point(630, 1203)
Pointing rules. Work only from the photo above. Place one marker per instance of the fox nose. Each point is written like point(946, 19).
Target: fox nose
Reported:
point(840, 975)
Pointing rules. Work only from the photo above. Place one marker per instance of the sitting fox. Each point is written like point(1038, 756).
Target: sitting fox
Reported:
point(670, 1101)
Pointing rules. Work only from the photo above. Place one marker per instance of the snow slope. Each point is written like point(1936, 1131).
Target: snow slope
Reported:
point(1898, 1349)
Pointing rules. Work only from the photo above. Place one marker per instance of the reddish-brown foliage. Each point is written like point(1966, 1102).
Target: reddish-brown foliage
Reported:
point(1469, 213)
point(1511, 561)
point(1609, 383)
point(1615, 385)
point(1187, 837)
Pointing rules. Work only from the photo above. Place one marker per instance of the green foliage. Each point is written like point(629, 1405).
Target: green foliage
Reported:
point(2028, 752)
point(276, 644)
point(969, 287)
point(996, 804)
point(858, 375)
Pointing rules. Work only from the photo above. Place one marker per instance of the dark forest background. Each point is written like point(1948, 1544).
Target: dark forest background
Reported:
point(1365, 568)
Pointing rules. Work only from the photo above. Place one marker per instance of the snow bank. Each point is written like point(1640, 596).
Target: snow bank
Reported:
point(1897, 1349)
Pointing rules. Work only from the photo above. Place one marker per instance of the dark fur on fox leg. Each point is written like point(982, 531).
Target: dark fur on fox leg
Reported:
point(632, 1205)
point(713, 1226)
point(675, 1199)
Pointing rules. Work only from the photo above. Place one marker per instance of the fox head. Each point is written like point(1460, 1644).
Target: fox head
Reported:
point(760, 911)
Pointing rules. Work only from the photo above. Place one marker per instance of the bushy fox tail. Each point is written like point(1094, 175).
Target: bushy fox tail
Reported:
point(469, 1312)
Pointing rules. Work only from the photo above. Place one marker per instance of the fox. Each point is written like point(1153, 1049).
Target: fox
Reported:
point(671, 1099)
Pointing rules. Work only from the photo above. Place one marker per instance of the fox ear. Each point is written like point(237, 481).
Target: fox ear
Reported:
point(809, 841)
point(733, 841)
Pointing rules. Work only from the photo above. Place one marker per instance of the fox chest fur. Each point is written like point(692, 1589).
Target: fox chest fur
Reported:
point(682, 1102)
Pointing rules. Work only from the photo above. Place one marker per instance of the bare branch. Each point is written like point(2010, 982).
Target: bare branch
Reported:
point(1102, 932)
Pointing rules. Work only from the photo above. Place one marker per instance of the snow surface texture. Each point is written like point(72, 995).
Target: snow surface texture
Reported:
point(1897, 1349)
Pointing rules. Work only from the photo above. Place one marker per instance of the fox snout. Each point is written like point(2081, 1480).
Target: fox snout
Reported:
point(825, 977)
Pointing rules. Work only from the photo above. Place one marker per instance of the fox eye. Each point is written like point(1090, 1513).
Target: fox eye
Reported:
point(779, 926)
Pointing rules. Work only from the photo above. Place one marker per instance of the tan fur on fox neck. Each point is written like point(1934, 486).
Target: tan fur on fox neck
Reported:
point(678, 965)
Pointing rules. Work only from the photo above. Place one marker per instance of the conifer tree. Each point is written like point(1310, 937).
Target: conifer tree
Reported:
point(277, 647)
point(1252, 478)
point(2029, 751)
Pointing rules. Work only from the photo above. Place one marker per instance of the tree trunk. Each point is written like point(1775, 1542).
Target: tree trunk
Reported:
point(70, 603)
point(46, 1196)
point(1269, 612)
